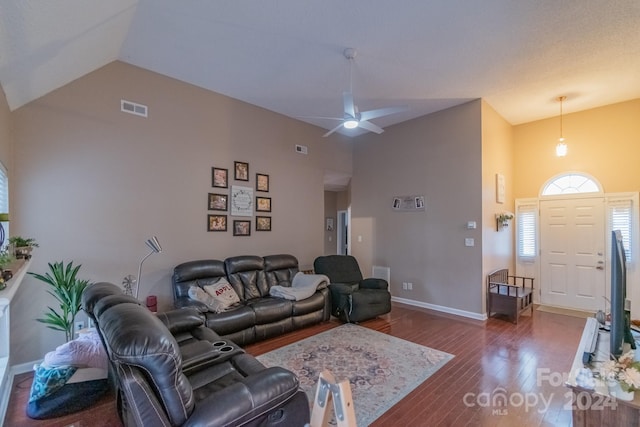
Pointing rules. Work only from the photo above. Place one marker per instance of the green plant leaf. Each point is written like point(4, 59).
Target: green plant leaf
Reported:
point(67, 291)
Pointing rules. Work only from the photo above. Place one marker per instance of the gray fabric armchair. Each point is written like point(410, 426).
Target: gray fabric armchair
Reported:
point(353, 298)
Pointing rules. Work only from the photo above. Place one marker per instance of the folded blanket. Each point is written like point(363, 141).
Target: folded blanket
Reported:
point(85, 351)
point(302, 287)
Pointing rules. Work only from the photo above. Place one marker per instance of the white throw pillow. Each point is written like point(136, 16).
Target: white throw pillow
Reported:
point(223, 293)
point(198, 294)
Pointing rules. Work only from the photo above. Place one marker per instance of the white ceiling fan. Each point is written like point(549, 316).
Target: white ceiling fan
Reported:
point(352, 118)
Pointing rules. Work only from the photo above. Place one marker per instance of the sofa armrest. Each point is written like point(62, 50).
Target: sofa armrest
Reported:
point(186, 302)
point(373, 283)
point(182, 319)
point(243, 401)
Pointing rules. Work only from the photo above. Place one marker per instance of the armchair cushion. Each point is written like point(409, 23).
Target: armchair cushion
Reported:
point(373, 283)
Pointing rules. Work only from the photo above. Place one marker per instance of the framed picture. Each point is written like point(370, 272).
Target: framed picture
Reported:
point(329, 224)
point(263, 204)
point(219, 177)
point(241, 201)
point(241, 171)
point(500, 190)
point(241, 227)
point(263, 223)
point(218, 202)
point(216, 223)
point(262, 182)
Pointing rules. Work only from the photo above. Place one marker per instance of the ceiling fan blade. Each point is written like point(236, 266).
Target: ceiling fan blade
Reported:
point(372, 114)
point(349, 107)
point(370, 126)
point(332, 130)
point(320, 117)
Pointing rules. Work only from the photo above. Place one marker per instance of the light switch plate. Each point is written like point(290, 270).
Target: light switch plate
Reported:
point(469, 241)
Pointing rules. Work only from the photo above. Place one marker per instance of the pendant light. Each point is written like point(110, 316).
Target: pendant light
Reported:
point(561, 148)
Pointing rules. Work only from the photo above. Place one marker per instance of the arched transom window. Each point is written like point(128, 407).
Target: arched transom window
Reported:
point(572, 183)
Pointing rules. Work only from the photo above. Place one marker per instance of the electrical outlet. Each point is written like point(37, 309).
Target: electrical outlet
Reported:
point(79, 325)
point(410, 286)
point(404, 285)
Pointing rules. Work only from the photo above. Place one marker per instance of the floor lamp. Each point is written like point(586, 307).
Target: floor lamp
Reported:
point(155, 247)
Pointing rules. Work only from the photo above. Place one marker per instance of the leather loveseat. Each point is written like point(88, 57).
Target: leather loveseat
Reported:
point(170, 370)
point(258, 315)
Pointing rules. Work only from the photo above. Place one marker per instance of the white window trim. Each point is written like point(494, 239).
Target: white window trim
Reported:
point(599, 193)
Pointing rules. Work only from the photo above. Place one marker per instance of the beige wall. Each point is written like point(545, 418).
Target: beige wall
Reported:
point(438, 156)
point(92, 183)
point(330, 211)
point(603, 142)
point(497, 157)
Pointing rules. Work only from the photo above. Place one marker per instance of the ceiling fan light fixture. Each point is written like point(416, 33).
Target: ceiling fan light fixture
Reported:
point(350, 124)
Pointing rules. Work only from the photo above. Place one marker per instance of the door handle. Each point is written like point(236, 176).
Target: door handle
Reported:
point(599, 267)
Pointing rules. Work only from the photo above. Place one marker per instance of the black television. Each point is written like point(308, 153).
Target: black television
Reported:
point(620, 317)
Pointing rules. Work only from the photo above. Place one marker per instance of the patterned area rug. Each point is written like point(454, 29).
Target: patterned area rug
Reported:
point(381, 369)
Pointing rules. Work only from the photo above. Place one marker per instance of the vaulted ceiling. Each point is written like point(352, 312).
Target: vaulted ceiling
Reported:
point(287, 55)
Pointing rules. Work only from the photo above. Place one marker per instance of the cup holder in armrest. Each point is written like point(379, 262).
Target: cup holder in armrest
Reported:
point(201, 354)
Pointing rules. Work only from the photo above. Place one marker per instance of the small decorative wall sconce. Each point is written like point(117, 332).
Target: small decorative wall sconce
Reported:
point(502, 220)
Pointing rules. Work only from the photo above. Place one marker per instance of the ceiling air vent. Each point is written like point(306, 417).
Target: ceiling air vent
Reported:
point(133, 108)
point(302, 149)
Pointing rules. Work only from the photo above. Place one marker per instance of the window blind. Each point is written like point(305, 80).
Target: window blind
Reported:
point(621, 218)
point(526, 231)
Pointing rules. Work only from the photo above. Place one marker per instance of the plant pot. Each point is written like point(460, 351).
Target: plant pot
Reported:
point(615, 390)
point(23, 252)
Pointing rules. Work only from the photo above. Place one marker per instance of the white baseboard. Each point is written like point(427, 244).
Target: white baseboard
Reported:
point(6, 389)
point(441, 308)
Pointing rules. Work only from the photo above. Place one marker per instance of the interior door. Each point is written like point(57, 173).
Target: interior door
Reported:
point(572, 245)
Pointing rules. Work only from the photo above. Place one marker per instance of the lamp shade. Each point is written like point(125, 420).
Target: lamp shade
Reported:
point(4, 217)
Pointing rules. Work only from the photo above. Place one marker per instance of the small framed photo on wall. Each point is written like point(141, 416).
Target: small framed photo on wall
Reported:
point(218, 202)
point(216, 223)
point(241, 171)
point(329, 224)
point(262, 182)
point(263, 223)
point(219, 177)
point(263, 204)
point(241, 227)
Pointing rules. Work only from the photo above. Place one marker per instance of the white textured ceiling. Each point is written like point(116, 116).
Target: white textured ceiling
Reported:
point(286, 55)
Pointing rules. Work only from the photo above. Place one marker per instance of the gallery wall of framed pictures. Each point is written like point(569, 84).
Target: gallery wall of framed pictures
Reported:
point(238, 201)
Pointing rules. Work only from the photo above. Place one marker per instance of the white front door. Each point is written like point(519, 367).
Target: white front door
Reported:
point(572, 245)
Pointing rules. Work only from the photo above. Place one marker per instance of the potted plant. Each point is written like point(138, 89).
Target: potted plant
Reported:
point(502, 219)
point(67, 290)
point(622, 376)
point(6, 258)
point(23, 246)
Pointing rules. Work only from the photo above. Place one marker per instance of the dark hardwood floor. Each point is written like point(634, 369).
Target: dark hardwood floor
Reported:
point(522, 363)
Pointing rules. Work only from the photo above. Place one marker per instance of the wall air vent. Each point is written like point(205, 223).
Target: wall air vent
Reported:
point(302, 149)
point(133, 108)
point(380, 272)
